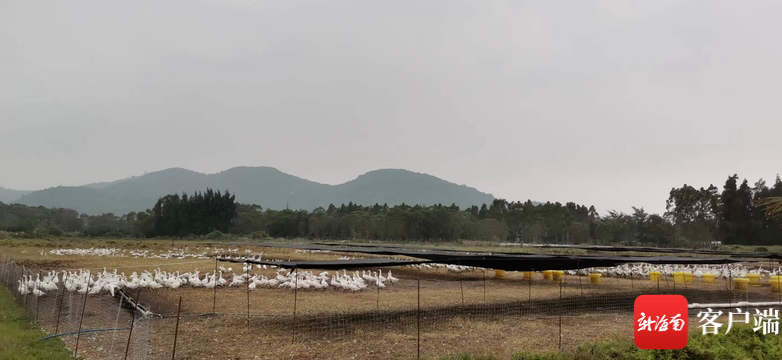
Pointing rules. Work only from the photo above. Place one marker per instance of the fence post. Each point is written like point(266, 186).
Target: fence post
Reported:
point(461, 287)
point(667, 287)
point(730, 279)
point(8, 267)
point(214, 289)
point(176, 328)
point(560, 314)
point(81, 319)
point(418, 320)
point(295, 299)
point(132, 322)
point(37, 298)
point(24, 271)
point(247, 282)
point(3, 272)
point(529, 288)
point(59, 309)
point(484, 284)
point(9, 273)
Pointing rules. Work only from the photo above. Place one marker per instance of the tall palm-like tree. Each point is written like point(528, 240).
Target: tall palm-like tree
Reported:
point(773, 205)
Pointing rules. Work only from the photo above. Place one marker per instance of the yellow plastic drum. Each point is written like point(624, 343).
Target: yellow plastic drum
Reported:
point(678, 277)
point(499, 274)
point(558, 275)
point(595, 278)
point(654, 276)
point(740, 283)
point(754, 279)
point(775, 281)
point(527, 275)
point(709, 278)
point(548, 274)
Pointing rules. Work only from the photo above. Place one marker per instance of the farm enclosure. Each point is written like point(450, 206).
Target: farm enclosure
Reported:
point(431, 310)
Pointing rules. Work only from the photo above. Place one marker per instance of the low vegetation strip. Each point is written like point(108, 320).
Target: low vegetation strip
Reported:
point(19, 337)
point(741, 343)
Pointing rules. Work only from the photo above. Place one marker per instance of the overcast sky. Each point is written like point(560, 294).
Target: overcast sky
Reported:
point(610, 103)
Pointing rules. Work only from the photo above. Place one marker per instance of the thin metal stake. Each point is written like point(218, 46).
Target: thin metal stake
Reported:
point(730, 286)
point(295, 298)
point(418, 320)
point(176, 328)
point(37, 298)
point(529, 287)
point(560, 313)
point(59, 310)
point(132, 322)
point(461, 287)
point(484, 285)
point(214, 290)
point(4, 271)
point(24, 270)
point(81, 320)
point(247, 282)
point(666, 281)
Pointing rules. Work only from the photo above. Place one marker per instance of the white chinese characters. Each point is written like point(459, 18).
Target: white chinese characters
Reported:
point(660, 323)
point(767, 320)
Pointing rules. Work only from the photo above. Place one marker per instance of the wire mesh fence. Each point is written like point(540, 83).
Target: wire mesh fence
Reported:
point(428, 313)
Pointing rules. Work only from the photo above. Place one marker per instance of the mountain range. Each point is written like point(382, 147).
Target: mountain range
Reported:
point(265, 186)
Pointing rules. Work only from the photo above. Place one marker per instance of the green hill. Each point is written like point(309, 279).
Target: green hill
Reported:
point(264, 186)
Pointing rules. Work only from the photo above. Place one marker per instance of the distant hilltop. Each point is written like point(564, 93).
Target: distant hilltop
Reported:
point(265, 186)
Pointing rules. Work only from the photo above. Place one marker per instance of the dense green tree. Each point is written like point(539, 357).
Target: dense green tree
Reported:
point(199, 214)
point(740, 214)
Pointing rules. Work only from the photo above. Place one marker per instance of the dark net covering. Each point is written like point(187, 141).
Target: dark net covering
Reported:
point(511, 262)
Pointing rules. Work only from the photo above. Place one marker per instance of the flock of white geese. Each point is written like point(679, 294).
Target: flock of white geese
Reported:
point(642, 270)
point(179, 254)
point(85, 282)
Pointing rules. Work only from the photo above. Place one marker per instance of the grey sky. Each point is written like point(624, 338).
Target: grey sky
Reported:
point(609, 103)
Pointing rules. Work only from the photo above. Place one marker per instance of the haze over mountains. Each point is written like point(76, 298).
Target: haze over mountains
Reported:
point(8, 195)
point(265, 186)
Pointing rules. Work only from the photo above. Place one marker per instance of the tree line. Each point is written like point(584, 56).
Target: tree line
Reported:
point(737, 214)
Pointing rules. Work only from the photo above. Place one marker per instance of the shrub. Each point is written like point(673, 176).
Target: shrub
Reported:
point(259, 235)
point(214, 235)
